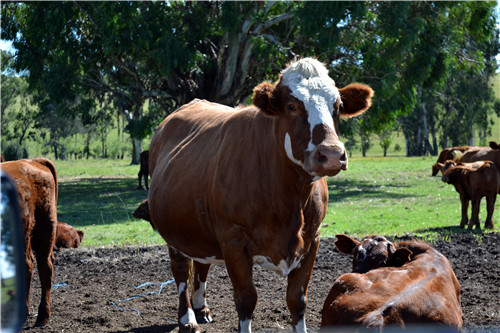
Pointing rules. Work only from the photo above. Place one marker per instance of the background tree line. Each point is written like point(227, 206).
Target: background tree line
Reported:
point(80, 66)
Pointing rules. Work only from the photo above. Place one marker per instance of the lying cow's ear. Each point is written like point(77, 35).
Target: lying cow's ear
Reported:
point(264, 98)
point(400, 257)
point(356, 99)
point(80, 233)
point(346, 244)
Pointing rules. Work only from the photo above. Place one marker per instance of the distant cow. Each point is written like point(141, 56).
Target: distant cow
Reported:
point(474, 181)
point(36, 183)
point(451, 153)
point(393, 284)
point(144, 169)
point(67, 236)
point(246, 186)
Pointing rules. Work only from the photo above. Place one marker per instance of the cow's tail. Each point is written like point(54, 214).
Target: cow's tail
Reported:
point(48, 163)
point(190, 281)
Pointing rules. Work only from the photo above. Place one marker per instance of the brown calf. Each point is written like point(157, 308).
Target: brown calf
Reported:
point(144, 169)
point(67, 236)
point(393, 284)
point(474, 181)
point(36, 183)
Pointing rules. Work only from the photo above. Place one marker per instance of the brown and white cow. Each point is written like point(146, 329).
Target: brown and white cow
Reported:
point(451, 153)
point(246, 186)
point(36, 183)
point(393, 284)
point(474, 181)
point(144, 170)
point(67, 236)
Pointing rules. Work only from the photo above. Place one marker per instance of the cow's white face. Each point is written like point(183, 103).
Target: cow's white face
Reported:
point(309, 83)
point(307, 101)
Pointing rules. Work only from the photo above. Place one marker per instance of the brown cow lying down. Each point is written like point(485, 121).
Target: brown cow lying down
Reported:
point(474, 181)
point(393, 284)
point(452, 153)
point(67, 236)
point(36, 182)
point(142, 212)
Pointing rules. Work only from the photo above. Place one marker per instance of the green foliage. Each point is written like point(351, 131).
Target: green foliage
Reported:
point(14, 151)
point(88, 61)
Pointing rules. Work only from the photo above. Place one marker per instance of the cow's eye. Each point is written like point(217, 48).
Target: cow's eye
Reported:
point(291, 107)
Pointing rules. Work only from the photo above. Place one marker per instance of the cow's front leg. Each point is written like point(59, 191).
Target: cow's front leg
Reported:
point(239, 267)
point(199, 298)
point(298, 282)
point(180, 269)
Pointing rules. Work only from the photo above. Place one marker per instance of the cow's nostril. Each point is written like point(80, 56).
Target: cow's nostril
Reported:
point(343, 158)
point(321, 158)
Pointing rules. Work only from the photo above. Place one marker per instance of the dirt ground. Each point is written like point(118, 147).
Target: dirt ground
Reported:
point(95, 289)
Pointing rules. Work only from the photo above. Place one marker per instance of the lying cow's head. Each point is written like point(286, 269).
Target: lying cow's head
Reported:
point(309, 106)
point(372, 252)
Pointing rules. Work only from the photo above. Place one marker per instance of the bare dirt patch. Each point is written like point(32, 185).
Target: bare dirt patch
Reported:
point(96, 285)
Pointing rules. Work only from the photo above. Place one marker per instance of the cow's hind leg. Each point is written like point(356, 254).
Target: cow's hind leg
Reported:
point(474, 216)
point(43, 242)
point(199, 297)
point(490, 207)
point(180, 268)
point(296, 294)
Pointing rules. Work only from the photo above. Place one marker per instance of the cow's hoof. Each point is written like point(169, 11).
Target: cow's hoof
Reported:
point(189, 328)
point(41, 321)
point(203, 316)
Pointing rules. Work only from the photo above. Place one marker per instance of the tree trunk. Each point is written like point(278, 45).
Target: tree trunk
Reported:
point(136, 151)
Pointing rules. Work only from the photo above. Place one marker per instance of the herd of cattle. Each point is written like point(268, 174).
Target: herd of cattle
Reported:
point(245, 186)
point(474, 171)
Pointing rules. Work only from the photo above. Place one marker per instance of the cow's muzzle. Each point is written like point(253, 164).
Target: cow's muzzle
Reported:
point(327, 160)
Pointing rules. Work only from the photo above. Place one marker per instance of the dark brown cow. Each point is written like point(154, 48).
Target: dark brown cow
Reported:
point(144, 169)
point(36, 183)
point(246, 186)
point(67, 236)
point(481, 154)
point(451, 153)
point(474, 181)
point(393, 284)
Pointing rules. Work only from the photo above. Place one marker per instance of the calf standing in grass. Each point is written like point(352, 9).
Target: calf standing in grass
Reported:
point(474, 181)
point(393, 284)
point(36, 184)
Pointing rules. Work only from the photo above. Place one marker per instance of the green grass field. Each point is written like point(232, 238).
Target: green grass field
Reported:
point(389, 196)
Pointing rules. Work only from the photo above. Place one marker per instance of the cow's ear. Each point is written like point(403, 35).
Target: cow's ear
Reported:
point(80, 233)
point(264, 97)
point(400, 257)
point(346, 244)
point(356, 99)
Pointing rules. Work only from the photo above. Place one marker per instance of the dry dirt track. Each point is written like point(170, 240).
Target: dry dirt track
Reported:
point(90, 280)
